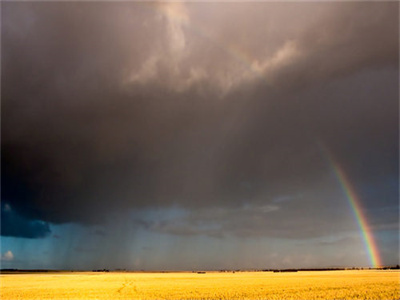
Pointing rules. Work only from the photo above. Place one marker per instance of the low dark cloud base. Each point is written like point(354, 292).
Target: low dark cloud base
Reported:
point(14, 225)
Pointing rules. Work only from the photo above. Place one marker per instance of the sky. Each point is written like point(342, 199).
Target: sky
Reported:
point(184, 136)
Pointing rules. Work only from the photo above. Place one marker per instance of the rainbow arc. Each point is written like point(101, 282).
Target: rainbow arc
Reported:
point(356, 207)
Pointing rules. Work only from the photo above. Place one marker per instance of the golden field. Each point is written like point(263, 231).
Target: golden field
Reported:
point(357, 284)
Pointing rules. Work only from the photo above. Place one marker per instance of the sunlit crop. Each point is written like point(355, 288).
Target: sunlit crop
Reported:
point(355, 284)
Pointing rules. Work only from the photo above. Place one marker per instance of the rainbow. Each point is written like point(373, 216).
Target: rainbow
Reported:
point(356, 204)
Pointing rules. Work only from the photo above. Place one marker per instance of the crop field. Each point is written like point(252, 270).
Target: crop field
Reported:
point(357, 284)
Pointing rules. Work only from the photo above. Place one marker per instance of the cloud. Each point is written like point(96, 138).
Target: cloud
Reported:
point(132, 106)
point(288, 220)
point(177, 16)
point(340, 241)
point(286, 198)
point(7, 256)
point(200, 47)
point(333, 45)
point(15, 225)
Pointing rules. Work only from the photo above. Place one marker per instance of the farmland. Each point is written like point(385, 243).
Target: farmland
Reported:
point(354, 284)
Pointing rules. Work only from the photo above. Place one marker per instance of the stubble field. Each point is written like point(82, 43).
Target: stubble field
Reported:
point(363, 284)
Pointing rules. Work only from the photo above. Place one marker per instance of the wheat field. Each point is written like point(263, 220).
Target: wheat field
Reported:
point(354, 284)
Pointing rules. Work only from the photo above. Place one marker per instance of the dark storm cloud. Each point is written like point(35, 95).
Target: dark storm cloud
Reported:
point(342, 241)
point(299, 218)
point(108, 107)
point(12, 224)
point(348, 39)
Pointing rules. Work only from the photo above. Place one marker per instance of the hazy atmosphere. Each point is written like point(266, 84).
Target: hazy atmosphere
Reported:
point(199, 135)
